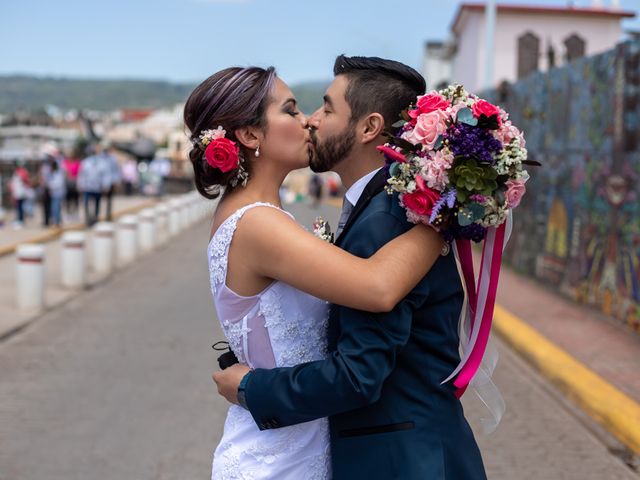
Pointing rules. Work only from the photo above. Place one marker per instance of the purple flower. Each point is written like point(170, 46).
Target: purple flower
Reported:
point(473, 232)
point(475, 142)
point(448, 198)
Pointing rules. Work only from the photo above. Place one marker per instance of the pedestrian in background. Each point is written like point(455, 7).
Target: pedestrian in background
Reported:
point(71, 166)
point(19, 187)
point(130, 176)
point(315, 189)
point(57, 189)
point(113, 175)
point(51, 155)
point(93, 181)
point(160, 169)
point(44, 172)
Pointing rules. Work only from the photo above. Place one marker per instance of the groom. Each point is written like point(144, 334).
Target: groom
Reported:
point(389, 416)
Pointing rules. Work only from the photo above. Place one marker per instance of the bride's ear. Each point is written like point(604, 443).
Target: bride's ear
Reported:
point(248, 137)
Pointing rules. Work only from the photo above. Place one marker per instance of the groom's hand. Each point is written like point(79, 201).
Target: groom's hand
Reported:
point(228, 381)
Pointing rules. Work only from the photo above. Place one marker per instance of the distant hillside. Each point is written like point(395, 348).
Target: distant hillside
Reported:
point(31, 93)
point(309, 95)
point(22, 92)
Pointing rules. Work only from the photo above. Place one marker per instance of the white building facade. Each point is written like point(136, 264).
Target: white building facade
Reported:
point(527, 39)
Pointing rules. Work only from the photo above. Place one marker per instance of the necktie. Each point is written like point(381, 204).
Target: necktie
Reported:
point(344, 216)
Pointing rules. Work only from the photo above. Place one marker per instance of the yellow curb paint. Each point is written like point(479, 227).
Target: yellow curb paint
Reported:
point(616, 411)
point(57, 232)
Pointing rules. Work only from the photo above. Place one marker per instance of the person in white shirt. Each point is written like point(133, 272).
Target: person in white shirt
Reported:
point(57, 190)
point(93, 180)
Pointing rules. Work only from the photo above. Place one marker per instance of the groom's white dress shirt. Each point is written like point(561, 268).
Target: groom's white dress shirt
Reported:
point(355, 192)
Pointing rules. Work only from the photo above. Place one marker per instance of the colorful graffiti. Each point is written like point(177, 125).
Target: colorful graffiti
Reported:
point(578, 227)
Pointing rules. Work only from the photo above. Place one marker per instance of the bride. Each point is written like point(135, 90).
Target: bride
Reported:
point(271, 279)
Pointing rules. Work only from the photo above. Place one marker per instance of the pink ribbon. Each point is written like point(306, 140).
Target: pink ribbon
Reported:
point(481, 302)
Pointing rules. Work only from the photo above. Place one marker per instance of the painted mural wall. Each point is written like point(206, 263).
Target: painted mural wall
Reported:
point(578, 228)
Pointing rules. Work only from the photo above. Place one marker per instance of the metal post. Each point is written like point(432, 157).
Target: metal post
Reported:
point(489, 54)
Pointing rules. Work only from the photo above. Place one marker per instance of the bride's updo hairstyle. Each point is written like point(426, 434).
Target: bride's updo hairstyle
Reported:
point(231, 98)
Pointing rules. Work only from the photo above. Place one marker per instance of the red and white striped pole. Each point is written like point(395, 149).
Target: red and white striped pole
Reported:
point(163, 222)
point(148, 230)
point(103, 248)
point(73, 260)
point(127, 239)
point(30, 277)
point(174, 217)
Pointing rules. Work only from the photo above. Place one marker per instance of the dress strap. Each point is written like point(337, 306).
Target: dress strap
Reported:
point(218, 250)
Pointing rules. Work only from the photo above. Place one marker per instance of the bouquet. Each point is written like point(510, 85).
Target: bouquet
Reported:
point(457, 162)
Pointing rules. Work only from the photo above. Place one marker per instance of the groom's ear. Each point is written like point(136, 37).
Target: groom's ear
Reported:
point(248, 137)
point(371, 127)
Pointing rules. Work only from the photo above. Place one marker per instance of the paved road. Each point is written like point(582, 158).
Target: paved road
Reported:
point(116, 385)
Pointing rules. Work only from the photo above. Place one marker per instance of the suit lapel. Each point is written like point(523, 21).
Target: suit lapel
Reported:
point(375, 186)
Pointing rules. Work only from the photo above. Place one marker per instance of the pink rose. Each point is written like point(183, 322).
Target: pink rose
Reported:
point(508, 132)
point(428, 127)
point(436, 170)
point(486, 108)
point(453, 110)
point(422, 200)
point(392, 154)
point(428, 103)
point(222, 153)
point(515, 191)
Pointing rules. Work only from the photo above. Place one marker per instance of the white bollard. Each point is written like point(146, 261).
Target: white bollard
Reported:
point(162, 213)
point(202, 210)
point(72, 260)
point(174, 218)
point(148, 229)
point(127, 239)
point(179, 206)
point(30, 277)
point(103, 247)
point(191, 208)
point(185, 212)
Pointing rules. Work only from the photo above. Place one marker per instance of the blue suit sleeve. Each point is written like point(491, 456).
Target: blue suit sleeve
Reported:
point(353, 375)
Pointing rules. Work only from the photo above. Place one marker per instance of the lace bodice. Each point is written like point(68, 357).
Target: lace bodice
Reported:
point(279, 327)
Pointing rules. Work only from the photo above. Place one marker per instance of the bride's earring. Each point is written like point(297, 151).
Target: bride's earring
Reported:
point(257, 154)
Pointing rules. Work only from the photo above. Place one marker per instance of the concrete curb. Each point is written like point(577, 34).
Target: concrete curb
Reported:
point(608, 406)
point(56, 233)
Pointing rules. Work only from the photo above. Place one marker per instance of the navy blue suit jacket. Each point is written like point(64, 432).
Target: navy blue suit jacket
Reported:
point(390, 418)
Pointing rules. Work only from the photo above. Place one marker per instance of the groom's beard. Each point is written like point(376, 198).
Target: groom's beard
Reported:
point(328, 153)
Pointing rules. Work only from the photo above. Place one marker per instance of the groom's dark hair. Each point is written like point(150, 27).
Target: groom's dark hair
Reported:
point(378, 85)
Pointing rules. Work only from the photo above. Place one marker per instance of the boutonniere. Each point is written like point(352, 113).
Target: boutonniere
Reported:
point(322, 230)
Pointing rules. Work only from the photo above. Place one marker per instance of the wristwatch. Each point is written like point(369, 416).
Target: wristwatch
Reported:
point(242, 399)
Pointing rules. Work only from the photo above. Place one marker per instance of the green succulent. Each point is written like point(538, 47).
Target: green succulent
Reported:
point(468, 176)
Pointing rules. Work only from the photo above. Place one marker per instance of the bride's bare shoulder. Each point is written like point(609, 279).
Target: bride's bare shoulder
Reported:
point(255, 219)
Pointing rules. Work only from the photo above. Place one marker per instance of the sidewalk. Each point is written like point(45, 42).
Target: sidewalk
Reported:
point(609, 349)
point(12, 319)
point(591, 359)
point(34, 232)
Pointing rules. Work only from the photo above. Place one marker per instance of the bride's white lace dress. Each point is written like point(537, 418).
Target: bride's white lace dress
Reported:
point(279, 327)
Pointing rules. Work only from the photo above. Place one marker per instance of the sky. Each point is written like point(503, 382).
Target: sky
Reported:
point(188, 40)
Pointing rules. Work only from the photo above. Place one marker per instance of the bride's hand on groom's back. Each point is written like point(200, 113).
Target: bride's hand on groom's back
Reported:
point(228, 380)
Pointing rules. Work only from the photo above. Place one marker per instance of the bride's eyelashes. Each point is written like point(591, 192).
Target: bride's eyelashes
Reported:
point(289, 108)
